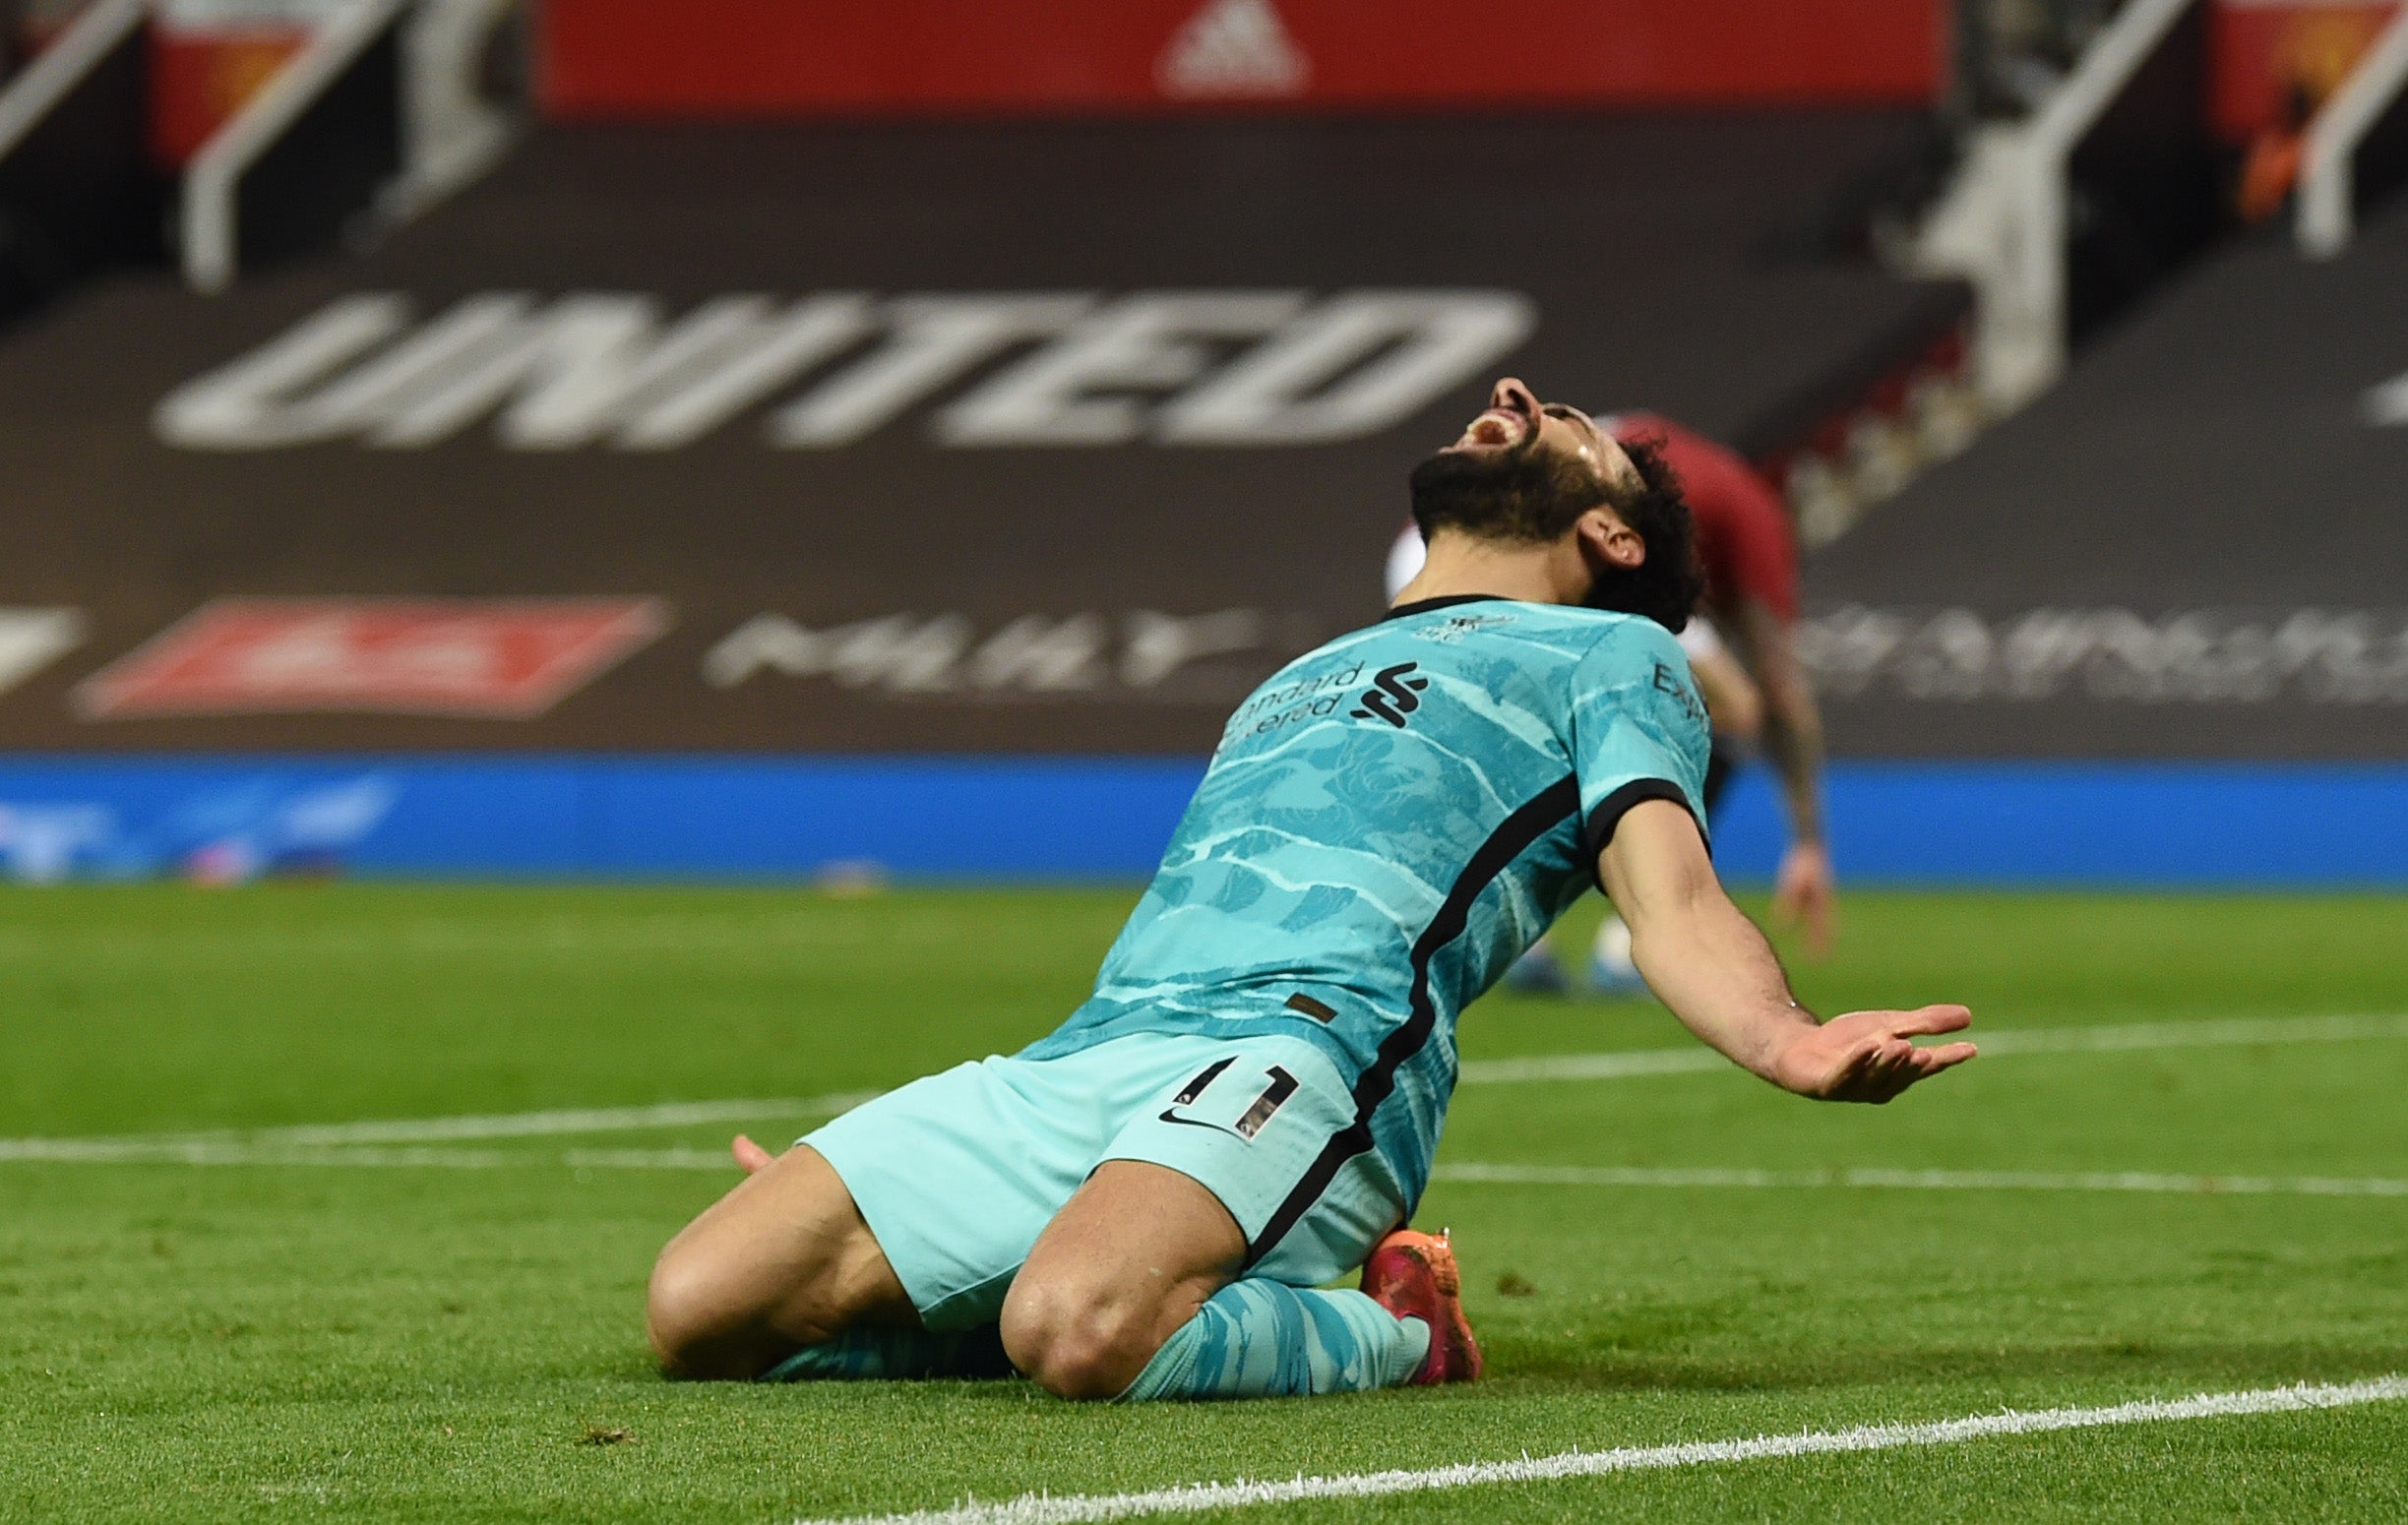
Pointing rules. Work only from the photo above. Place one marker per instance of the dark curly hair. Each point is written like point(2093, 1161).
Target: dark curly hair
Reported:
point(1532, 498)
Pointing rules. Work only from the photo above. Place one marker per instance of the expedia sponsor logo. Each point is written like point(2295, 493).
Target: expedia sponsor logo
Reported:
point(999, 369)
point(1394, 695)
point(1670, 683)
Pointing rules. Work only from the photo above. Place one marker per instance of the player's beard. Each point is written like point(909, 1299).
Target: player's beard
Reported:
point(1520, 495)
point(1501, 495)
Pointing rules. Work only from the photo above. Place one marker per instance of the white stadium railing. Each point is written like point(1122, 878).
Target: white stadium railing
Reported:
point(2328, 215)
point(2002, 223)
point(452, 134)
point(47, 83)
point(212, 221)
point(447, 133)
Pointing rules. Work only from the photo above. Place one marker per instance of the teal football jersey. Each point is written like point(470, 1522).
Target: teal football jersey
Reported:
point(1387, 823)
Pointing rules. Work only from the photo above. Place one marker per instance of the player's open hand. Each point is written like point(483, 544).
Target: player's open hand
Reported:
point(1871, 1056)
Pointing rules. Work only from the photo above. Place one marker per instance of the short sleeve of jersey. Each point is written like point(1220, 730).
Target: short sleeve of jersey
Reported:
point(1638, 730)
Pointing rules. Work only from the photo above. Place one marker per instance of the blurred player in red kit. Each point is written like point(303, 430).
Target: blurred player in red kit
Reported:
point(1746, 668)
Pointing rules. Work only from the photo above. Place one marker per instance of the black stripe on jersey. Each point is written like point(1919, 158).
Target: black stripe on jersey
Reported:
point(1558, 802)
point(1599, 830)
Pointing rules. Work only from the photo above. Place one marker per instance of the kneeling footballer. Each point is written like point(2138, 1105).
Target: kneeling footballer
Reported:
point(1150, 1202)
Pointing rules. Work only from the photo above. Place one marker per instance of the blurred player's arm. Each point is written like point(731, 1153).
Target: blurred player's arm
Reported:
point(1791, 735)
point(1706, 961)
point(1730, 695)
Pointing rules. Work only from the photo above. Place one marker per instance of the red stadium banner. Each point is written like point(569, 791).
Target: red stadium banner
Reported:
point(201, 77)
point(489, 660)
point(2273, 62)
point(778, 58)
point(208, 60)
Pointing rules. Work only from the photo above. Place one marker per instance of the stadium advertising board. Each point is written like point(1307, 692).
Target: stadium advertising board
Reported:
point(609, 368)
point(1036, 439)
point(977, 473)
point(2191, 548)
point(717, 58)
point(210, 58)
point(2340, 658)
point(498, 660)
point(2271, 63)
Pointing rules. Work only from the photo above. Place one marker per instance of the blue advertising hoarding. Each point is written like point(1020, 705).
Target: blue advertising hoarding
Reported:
point(227, 818)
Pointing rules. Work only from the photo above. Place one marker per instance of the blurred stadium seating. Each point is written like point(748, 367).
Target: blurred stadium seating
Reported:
point(732, 438)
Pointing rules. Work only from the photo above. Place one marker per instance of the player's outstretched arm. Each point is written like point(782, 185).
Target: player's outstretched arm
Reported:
point(1706, 961)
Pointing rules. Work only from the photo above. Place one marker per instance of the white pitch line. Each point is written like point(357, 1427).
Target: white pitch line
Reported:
point(137, 1152)
point(2226, 1032)
point(103, 1151)
point(533, 1125)
point(189, 1149)
point(1923, 1180)
point(1197, 1499)
point(2222, 1033)
point(239, 1146)
point(202, 1151)
point(650, 1159)
point(1619, 1066)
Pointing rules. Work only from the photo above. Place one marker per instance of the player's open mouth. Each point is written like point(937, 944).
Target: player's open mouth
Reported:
point(1497, 429)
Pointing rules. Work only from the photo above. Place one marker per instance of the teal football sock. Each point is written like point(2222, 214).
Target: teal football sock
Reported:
point(1261, 1339)
point(868, 1355)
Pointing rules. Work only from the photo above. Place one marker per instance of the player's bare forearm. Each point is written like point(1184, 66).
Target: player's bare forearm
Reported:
point(1712, 965)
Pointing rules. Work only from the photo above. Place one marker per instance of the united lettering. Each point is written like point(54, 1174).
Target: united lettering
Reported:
point(996, 370)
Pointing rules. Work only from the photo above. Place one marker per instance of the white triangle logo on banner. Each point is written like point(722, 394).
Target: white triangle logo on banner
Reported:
point(1233, 47)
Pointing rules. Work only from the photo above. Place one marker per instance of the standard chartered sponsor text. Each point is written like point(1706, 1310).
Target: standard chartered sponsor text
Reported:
point(2193, 656)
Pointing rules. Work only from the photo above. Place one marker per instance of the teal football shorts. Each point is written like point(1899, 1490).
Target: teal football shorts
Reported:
point(959, 1173)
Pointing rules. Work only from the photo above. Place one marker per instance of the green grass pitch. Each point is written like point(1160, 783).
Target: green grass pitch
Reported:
point(322, 1338)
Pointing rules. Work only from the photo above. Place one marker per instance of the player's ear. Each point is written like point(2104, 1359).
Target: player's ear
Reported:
point(1606, 541)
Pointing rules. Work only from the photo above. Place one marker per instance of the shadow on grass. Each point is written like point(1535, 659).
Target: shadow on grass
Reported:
point(1531, 1368)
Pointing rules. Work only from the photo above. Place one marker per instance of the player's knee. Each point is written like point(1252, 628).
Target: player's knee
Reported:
point(705, 1319)
point(1076, 1340)
point(686, 1313)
